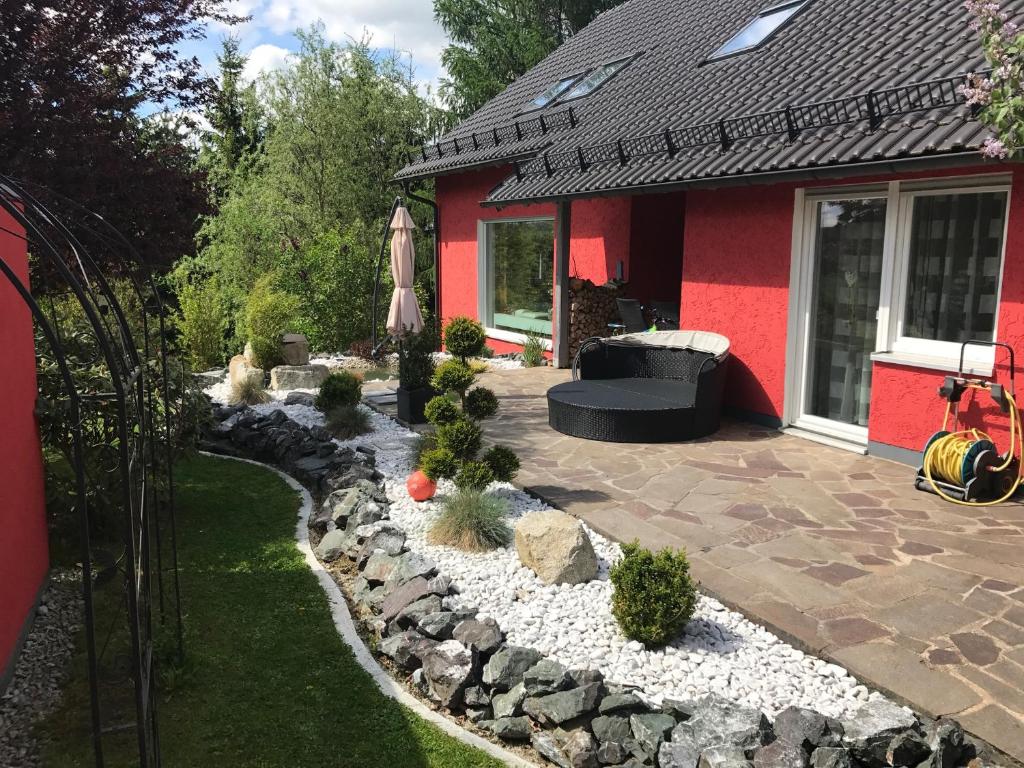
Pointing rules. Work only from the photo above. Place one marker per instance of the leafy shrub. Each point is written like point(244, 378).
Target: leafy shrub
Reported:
point(486, 352)
point(249, 390)
point(474, 476)
point(440, 410)
point(269, 313)
point(653, 596)
point(340, 388)
point(533, 351)
point(348, 421)
point(503, 463)
point(481, 403)
point(471, 521)
point(415, 360)
point(363, 349)
point(462, 438)
point(453, 376)
point(436, 463)
point(464, 337)
point(201, 322)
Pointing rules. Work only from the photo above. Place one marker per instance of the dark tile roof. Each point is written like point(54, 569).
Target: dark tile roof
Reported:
point(860, 56)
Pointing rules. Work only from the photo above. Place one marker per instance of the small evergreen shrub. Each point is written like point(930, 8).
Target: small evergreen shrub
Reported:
point(340, 388)
point(533, 351)
point(202, 321)
point(453, 376)
point(437, 463)
point(503, 463)
point(486, 352)
point(461, 438)
point(269, 314)
point(415, 360)
point(653, 595)
point(474, 476)
point(249, 390)
point(464, 337)
point(348, 421)
point(440, 410)
point(481, 403)
point(471, 521)
point(424, 443)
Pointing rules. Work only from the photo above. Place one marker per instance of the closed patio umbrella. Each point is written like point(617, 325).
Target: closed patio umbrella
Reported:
point(404, 315)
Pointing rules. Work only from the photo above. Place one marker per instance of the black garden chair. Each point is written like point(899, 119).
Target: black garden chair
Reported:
point(666, 315)
point(631, 314)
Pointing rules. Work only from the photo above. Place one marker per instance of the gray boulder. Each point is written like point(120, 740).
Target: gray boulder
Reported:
point(512, 728)
point(678, 754)
point(448, 669)
point(440, 584)
point(621, 702)
point(297, 376)
point(546, 676)
point(332, 546)
point(557, 708)
point(548, 748)
point(613, 728)
point(415, 612)
point(406, 649)
point(390, 539)
point(723, 757)
point(831, 757)
point(946, 740)
point(476, 696)
point(807, 729)
point(483, 635)
point(907, 749)
point(405, 595)
point(584, 676)
point(295, 349)
point(719, 721)
point(780, 754)
point(341, 504)
point(611, 753)
point(409, 566)
point(578, 747)
point(650, 730)
point(870, 729)
point(556, 547)
point(378, 567)
point(510, 703)
point(507, 666)
point(300, 398)
point(438, 625)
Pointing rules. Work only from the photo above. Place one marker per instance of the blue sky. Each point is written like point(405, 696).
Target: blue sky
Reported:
point(268, 37)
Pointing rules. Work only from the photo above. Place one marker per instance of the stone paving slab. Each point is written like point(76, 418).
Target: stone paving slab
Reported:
point(833, 550)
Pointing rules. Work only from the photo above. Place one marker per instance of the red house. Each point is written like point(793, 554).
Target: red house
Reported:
point(803, 177)
point(24, 553)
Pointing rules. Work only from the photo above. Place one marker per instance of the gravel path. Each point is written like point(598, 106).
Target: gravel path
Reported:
point(35, 688)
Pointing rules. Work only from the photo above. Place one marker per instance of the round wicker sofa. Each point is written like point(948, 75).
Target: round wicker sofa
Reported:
point(656, 387)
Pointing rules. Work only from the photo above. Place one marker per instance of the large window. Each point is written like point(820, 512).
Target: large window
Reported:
point(517, 275)
point(760, 29)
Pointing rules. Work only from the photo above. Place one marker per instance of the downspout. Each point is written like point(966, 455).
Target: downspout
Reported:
point(437, 253)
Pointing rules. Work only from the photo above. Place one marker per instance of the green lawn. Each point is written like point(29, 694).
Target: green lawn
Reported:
point(268, 681)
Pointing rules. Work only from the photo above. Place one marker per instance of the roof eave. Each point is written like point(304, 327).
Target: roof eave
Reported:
point(399, 178)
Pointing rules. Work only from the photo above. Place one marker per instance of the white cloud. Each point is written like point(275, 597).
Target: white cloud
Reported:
point(264, 58)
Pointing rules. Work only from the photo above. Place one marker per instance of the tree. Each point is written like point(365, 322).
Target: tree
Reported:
point(496, 41)
point(73, 78)
point(999, 95)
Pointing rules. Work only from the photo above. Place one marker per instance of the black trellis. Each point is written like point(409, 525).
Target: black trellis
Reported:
point(65, 249)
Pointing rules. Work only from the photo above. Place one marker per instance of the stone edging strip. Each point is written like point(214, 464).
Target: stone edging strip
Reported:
point(347, 630)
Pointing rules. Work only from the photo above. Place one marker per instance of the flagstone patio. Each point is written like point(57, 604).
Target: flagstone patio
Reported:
point(835, 551)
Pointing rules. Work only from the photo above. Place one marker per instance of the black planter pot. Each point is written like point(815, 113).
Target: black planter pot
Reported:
point(411, 403)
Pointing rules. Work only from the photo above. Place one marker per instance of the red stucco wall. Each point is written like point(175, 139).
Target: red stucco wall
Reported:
point(600, 238)
point(24, 558)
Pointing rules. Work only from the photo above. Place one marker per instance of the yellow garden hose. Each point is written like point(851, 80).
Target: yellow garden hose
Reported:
point(944, 456)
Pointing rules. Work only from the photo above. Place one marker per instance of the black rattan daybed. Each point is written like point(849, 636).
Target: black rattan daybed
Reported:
point(658, 387)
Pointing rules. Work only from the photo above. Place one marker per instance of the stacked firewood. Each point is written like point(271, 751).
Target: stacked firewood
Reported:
point(591, 308)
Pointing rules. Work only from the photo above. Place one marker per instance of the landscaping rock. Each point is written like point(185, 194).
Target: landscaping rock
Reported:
point(650, 730)
point(578, 747)
point(546, 676)
point(585, 676)
point(300, 398)
point(510, 703)
point(507, 666)
point(297, 376)
point(946, 740)
point(478, 714)
point(388, 538)
point(415, 612)
point(476, 696)
point(621, 702)
point(678, 754)
point(295, 349)
point(410, 566)
point(332, 546)
point(717, 721)
point(378, 567)
point(807, 729)
point(611, 728)
point(831, 757)
point(611, 753)
point(402, 596)
point(438, 625)
point(556, 547)
point(780, 754)
point(869, 730)
point(512, 728)
point(557, 708)
point(240, 369)
point(341, 504)
point(406, 649)
point(483, 635)
point(546, 746)
point(448, 668)
point(440, 584)
point(907, 749)
point(723, 757)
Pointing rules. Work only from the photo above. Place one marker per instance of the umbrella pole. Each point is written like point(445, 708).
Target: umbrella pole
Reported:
point(436, 236)
point(374, 346)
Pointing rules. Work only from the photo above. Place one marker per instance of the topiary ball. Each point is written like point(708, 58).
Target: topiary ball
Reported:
point(340, 388)
point(481, 403)
point(503, 463)
point(464, 337)
point(437, 463)
point(440, 410)
point(474, 476)
point(452, 376)
point(653, 595)
point(461, 438)
point(420, 487)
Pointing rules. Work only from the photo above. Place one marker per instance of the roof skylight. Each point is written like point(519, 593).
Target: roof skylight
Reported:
point(595, 79)
point(759, 29)
point(553, 92)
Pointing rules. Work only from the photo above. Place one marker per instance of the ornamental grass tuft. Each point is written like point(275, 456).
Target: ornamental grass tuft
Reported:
point(653, 596)
point(472, 521)
point(348, 421)
point(250, 391)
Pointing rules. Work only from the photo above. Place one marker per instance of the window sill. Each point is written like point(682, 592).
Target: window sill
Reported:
point(512, 337)
point(971, 368)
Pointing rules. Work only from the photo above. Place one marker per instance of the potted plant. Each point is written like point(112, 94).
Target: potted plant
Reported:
point(415, 369)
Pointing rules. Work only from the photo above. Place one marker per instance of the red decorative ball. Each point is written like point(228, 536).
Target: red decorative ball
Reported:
point(420, 486)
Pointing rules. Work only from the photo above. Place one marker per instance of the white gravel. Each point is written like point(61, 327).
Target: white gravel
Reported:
point(720, 651)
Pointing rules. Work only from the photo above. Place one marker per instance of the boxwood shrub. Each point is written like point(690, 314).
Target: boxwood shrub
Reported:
point(653, 595)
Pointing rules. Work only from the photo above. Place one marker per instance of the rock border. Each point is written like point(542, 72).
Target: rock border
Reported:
point(346, 629)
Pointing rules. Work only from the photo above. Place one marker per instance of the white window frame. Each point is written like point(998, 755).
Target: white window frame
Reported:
point(891, 346)
point(485, 280)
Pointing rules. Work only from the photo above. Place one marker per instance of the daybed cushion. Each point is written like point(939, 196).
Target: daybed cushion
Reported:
point(699, 341)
